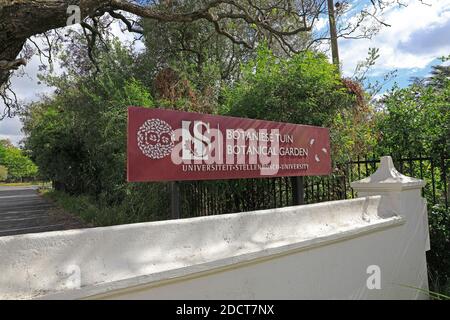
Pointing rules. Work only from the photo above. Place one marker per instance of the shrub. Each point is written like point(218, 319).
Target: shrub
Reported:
point(439, 256)
point(3, 173)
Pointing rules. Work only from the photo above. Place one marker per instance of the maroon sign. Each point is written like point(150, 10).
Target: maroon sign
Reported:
point(167, 145)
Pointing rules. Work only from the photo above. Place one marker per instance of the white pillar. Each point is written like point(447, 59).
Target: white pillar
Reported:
point(402, 196)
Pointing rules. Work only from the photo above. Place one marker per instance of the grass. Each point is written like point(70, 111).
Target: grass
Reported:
point(25, 184)
point(431, 294)
point(85, 208)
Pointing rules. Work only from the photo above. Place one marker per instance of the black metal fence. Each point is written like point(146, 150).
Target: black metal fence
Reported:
point(200, 198)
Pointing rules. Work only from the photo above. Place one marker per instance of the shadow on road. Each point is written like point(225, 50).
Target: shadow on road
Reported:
point(23, 210)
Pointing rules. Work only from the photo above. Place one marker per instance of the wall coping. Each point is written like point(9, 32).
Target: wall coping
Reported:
point(113, 258)
point(111, 289)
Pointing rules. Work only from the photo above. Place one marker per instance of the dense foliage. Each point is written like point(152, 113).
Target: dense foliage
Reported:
point(415, 121)
point(3, 173)
point(78, 135)
point(438, 257)
point(305, 89)
point(14, 164)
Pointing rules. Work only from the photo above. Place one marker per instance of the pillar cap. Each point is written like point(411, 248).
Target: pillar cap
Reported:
point(386, 179)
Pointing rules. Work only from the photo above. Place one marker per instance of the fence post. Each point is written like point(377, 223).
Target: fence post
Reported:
point(175, 203)
point(298, 190)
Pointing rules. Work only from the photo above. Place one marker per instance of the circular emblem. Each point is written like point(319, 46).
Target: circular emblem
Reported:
point(154, 138)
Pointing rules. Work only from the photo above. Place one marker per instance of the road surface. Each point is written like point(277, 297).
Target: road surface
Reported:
point(22, 210)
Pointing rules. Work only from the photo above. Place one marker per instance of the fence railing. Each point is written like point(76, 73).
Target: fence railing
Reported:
point(434, 170)
point(199, 198)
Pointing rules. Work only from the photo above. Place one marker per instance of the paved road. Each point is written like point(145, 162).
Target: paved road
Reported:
point(22, 210)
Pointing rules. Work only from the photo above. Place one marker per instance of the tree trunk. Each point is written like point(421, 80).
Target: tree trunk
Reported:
point(21, 19)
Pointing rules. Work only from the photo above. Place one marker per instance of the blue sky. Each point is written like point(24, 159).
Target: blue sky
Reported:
point(418, 36)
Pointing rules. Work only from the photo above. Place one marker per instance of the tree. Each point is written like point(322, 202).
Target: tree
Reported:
point(282, 23)
point(304, 89)
point(6, 143)
point(78, 136)
point(3, 173)
point(440, 75)
point(15, 165)
point(416, 120)
point(23, 19)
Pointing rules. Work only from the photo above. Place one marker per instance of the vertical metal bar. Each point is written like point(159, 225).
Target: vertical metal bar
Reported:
point(345, 187)
point(274, 193)
point(175, 208)
point(374, 163)
point(444, 180)
point(219, 197)
point(421, 166)
point(216, 198)
point(266, 200)
point(210, 199)
point(204, 199)
point(421, 173)
point(280, 190)
point(359, 169)
point(290, 192)
point(351, 179)
point(367, 166)
point(318, 191)
point(200, 198)
point(191, 203)
point(223, 203)
point(411, 170)
point(328, 187)
point(298, 194)
point(305, 189)
point(323, 188)
point(286, 191)
point(205, 195)
point(433, 182)
point(182, 197)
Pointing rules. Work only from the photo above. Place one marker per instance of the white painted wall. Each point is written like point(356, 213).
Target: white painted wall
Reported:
point(303, 252)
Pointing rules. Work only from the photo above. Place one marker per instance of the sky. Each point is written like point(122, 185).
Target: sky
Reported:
point(418, 36)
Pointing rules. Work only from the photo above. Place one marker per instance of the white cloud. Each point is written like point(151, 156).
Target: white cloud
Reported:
point(321, 23)
point(27, 89)
point(10, 129)
point(414, 39)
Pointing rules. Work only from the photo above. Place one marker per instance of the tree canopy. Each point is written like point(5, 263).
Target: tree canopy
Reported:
point(14, 165)
point(416, 119)
point(31, 28)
